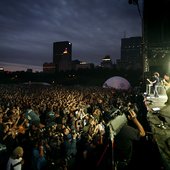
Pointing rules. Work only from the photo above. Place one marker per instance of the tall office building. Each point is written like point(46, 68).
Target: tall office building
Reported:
point(62, 55)
point(156, 17)
point(131, 54)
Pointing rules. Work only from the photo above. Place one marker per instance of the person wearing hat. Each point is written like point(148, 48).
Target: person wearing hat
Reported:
point(15, 161)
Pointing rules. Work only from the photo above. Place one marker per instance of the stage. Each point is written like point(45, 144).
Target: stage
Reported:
point(159, 121)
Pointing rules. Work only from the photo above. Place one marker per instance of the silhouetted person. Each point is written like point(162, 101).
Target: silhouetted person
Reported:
point(124, 141)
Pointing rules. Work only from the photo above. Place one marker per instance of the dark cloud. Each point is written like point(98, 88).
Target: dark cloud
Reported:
point(28, 28)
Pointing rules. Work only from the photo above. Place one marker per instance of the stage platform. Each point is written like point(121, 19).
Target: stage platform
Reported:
point(159, 121)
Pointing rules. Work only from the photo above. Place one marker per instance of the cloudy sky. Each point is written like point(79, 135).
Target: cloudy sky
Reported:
point(28, 29)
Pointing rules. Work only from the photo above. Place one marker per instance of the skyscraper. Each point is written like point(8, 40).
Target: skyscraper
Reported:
point(131, 57)
point(62, 55)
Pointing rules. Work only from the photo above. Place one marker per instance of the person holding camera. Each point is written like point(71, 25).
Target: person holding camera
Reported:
point(123, 141)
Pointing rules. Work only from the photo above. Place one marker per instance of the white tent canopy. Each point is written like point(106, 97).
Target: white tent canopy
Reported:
point(117, 82)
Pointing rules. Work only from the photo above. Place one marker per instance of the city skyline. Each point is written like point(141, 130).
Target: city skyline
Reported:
point(95, 28)
point(20, 67)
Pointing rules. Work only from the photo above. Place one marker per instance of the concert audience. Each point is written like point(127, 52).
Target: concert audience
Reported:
point(73, 121)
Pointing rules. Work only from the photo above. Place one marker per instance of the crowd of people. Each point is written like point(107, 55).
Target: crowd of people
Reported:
point(66, 128)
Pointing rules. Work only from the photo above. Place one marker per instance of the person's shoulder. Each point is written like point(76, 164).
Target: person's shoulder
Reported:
point(14, 161)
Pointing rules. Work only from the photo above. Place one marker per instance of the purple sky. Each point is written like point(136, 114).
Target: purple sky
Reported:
point(28, 29)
